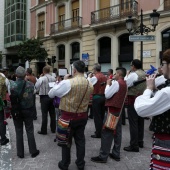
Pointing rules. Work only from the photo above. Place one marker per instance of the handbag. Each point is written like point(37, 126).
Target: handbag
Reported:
point(112, 120)
point(63, 133)
point(15, 102)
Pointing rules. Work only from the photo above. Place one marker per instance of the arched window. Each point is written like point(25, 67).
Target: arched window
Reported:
point(61, 52)
point(104, 57)
point(166, 39)
point(75, 50)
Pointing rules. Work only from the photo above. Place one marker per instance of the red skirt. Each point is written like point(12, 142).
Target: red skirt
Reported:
point(160, 157)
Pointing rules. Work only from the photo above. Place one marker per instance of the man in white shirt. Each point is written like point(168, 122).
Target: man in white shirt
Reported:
point(136, 123)
point(42, 85)
point(98, 80)
point(115, 93)
point(75, 95)
point(157, 104)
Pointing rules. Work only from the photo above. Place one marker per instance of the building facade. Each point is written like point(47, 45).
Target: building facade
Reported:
point(15, 21)
point(73, 28)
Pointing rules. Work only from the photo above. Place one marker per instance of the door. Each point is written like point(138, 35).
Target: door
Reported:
point(75, 13)
point(61, 17)
point(126, 7)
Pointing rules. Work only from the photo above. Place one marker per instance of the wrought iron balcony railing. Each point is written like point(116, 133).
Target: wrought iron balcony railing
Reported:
point(40, 33)
point(122, 10)
point(65, 25)
point(166, 4)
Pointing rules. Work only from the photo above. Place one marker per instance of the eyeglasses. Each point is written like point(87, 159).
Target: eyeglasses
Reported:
point(162, 64)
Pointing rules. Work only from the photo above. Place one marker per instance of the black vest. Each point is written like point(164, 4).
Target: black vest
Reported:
point(161, 123)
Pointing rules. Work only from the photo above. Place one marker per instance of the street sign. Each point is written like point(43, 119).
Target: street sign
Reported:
point(85, 58)
point(141, 38)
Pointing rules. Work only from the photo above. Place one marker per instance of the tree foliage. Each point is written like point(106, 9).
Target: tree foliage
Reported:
point(32, 49)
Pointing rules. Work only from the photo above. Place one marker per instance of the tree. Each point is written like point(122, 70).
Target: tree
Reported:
point(32, 49)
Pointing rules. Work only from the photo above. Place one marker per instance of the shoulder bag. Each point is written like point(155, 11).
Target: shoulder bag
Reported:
point(112, 120)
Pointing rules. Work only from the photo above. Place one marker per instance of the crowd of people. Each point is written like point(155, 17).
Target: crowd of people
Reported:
point(106, 96)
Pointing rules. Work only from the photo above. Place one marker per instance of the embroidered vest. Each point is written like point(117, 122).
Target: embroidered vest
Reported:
point(138, 89)
point(118, 98)
point(160, 123)
point(99, 87)
point(71, 101)
point(3, 87)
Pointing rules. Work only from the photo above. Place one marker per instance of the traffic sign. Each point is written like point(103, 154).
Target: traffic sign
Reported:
point(141, 38)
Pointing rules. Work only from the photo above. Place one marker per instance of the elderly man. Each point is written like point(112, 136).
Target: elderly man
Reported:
point(24, 91)
point(157, 104)
point(42, 85)
point(99, 82)
point(74, 110)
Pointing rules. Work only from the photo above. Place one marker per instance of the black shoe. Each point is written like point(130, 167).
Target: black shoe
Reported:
point(61, 166)
point(35, 118)
point(95, 136)
point(140, 145)
point(131, 149)
point(20, 156)
point(35, 154)
point(97, 159)
point(53, 131)
point(41, 133)
point(90, 116)
point(5, 141)
point(114, 157)
point(59, 144)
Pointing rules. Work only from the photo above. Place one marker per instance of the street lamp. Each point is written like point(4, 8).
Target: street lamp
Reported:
point(142, 29)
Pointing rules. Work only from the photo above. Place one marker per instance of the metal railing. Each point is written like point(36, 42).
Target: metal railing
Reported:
point(68, 24)
point(40, 33)
point(166, 5)
point(122, 10)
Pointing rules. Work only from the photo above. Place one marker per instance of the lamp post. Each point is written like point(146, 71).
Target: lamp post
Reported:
point(142, 29)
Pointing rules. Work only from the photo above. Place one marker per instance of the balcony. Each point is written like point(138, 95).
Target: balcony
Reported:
point(166, 5)
point(114, 14)
point(40, 33)
point(68, 26)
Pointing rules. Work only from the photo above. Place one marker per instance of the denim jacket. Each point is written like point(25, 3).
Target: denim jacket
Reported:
point(27, 97)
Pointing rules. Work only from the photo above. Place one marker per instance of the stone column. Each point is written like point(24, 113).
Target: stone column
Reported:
point(4, 61)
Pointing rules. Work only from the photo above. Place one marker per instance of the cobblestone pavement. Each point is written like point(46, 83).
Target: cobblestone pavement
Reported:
point(50, 153)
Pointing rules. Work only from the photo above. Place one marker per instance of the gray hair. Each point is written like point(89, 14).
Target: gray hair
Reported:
point(20, 72)
point(97, 67)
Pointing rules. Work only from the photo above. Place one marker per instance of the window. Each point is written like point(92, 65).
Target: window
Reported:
point(61, 52)
point(41, 1)
point(166, 40)
point(166, 4)
point(41, 21)
point(75, 14)
point(14, 22)
point(76, 50)
point(61, 19)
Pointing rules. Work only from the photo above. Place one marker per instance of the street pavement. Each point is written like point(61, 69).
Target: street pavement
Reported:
point(50, 153)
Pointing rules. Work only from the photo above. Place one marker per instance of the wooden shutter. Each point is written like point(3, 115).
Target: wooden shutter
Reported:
point(61, 10)
point(75, 4)
point(104, 4)
point(41, 17)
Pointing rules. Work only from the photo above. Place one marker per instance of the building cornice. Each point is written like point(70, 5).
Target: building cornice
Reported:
point(36, 7)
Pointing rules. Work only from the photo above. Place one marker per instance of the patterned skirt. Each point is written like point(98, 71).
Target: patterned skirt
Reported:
point(160, 157)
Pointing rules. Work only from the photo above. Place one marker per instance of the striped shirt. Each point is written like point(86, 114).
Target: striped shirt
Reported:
point(42, 84)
